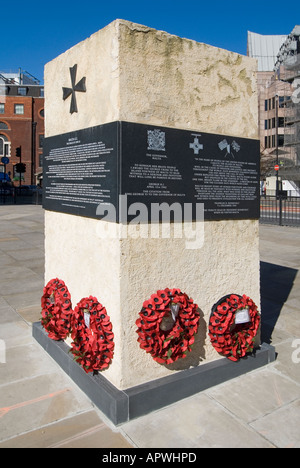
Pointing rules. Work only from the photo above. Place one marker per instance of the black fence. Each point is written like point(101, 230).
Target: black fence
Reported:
point(281, 210)
point(17, 196)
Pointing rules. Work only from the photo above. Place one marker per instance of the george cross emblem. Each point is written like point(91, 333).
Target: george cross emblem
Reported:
point(76, 87)
point(196, 145)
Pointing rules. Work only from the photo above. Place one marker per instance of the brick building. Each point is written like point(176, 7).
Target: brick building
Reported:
point(21, 125)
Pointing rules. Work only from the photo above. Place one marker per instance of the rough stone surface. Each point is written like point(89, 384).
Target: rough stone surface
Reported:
point(137, 74)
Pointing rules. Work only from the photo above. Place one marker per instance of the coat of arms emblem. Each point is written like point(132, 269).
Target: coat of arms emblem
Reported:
point(156, 140)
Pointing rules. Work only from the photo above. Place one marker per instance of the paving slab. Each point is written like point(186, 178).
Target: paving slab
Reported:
point(6, 260)
point(288, 360)
point(24, 361)
point(30, 313)
point(196, 422)
point(28, 253)
point(288, 321)
point(84, 430)
point(22, 300)
point(15, 333)
point(256, 394)
point(281, 427)
point(54, 433)
point(19, 279)
point(38, 401)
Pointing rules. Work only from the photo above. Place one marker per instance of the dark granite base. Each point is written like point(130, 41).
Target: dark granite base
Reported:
point(123, 405)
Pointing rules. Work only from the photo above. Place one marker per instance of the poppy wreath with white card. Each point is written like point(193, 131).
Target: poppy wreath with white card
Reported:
point(233, 326)
point(91, 332)
point(56, 309)
point(167, 325)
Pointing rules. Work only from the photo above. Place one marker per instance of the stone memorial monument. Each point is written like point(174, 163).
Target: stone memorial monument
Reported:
point(151, 198)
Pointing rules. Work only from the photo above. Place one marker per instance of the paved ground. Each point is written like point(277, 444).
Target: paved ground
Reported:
point(41, 407)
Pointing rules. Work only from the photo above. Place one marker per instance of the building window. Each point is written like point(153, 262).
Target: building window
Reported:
point(273, 103)
point(268, 142)
point(7, 149)
point(281, 102)
point(22, 91)
point(3, 126)
point(42, 92)
point(270, 104)
point(19, 109)
point(280, 140)
point(273, 141)
point(4, 146)
point(2, 108)
point(41, 140)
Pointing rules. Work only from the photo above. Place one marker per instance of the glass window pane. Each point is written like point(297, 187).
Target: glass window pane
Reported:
point(22, 91)
point(19, 108)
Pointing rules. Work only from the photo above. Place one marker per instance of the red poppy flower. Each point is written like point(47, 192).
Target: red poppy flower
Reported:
point(234, 300)
point(163, 294)
point(223, 308)
point(156, 298)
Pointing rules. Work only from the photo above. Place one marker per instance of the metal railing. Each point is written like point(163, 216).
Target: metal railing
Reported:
point(281, 210)
point(16, 196)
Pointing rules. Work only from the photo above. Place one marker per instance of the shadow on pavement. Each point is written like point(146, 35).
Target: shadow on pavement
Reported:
point(276, 284)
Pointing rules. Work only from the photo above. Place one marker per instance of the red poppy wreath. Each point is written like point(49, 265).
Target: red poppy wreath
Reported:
point(92, 335)
point(56, 309)
point(233, 325)
point(167, 325)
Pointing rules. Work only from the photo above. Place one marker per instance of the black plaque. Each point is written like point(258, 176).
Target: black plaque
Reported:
point(80, 170)
point(151, 165)
point(178, 166)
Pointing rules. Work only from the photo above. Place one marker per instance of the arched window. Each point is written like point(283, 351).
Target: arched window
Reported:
point(4, 146)
point(3, 126)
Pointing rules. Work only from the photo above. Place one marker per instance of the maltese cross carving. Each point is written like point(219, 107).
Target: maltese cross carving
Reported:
point(76, 87)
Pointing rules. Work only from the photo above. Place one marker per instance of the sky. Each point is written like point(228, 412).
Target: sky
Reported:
point(35, 32)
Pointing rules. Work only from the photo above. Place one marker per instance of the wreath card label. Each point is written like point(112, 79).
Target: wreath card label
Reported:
point(242, 316)
point(87, 318)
